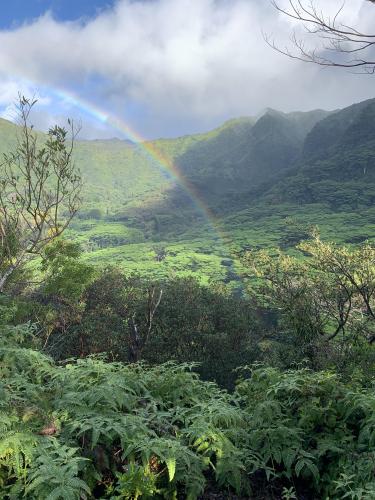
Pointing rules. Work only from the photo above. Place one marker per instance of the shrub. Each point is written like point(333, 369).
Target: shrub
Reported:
point(310, 429)
point(93, 429)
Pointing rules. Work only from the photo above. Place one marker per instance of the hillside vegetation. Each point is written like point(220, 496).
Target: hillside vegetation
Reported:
point(149, 353)
point(260, 178)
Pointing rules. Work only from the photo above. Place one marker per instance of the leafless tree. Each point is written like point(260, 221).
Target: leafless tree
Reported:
point(138, 338)
point(342, 45)
point(39, 191)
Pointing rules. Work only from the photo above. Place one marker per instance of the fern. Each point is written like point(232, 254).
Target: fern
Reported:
point(17, 450)
point(92, 429)
point(54, 474)
point(136, 482)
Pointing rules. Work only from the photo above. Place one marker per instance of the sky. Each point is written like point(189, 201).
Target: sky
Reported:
point(163, 68)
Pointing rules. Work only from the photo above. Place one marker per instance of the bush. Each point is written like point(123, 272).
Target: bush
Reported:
point(93, 213)
point(193, 323)
point(92, 429)
point(310, 429)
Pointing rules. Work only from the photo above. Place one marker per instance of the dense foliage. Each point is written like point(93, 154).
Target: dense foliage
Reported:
point(94, 429)
point(83, 422)
point(258, 383)
point(115, 430)
point(82, 310)
point(325, 302)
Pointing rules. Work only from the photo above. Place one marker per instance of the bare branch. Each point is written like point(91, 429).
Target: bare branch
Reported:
point(338, 38)
point(139, 340)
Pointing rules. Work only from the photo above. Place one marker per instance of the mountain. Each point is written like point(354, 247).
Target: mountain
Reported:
point(8, 133)
point(337, 164)
point(234, 157)
point(247, 153)
point(254, 182)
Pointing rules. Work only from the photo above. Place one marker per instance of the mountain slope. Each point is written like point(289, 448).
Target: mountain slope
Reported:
point(232, 158)
point(258, 177)
point(337, 165)
point(248, 153)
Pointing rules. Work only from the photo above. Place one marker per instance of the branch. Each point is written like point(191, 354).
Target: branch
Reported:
point(335, 35)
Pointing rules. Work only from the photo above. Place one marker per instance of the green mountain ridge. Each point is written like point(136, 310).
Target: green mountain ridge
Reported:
point(337, 163)
point(254, 175)
point(247, 153)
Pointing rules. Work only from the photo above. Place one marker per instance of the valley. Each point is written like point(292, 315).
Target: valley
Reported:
point(187, 250)
point(252, 183)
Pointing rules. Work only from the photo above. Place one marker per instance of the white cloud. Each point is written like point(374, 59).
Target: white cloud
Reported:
point(193, 60)
point(11, 89)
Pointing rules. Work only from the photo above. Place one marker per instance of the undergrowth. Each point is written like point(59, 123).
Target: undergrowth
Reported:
point(87, 428)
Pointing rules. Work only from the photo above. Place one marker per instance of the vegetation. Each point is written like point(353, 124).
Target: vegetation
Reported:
point(253, 381)
point(253, 174)
point(83, 312)
point(95, 429)
point(325, 301)
point(37, 184)
point(256, 176)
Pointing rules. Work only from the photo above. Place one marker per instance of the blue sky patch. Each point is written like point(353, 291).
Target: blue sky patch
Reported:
point(14, 13)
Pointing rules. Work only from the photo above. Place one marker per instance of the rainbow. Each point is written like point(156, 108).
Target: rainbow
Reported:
point(151, 151)
point(157, 157)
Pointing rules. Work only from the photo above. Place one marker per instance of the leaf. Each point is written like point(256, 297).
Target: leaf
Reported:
point(171, 466)
point(299, 466)
point(313, 469)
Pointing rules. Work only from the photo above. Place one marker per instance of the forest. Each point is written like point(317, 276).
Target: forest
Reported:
point(119, 385)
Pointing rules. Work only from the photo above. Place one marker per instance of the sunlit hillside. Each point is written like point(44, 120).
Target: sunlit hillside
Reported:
point(251, 183)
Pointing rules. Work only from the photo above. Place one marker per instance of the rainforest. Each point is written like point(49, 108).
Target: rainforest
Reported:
point(188, 317)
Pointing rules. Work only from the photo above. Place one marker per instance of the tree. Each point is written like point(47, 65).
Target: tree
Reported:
point(140, 336)
point(329, 295)
point(205, 325)
point(39, 192)
point(116, 316)
point(347, 46)
point(66, 278)
point(350, 274)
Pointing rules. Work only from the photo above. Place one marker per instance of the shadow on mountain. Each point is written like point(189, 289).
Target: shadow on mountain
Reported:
point(227, 172)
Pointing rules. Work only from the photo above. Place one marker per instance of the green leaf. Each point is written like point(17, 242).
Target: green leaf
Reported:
point(171, 466)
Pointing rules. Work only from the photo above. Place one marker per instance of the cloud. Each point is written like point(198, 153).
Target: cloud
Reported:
point(188, 63)
point(11, 89)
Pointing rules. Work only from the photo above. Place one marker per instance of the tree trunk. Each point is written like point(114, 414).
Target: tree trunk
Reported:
point(135, 347)
point(4, 277)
